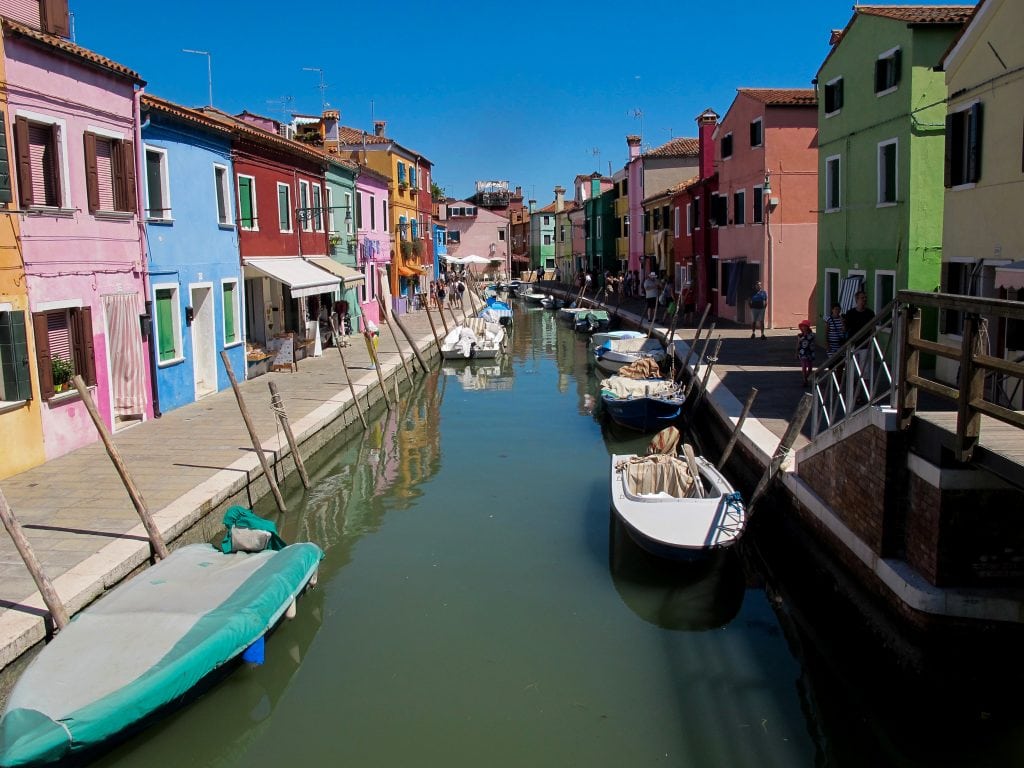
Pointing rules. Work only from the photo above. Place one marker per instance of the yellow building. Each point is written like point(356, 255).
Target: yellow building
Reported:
point(20, 421)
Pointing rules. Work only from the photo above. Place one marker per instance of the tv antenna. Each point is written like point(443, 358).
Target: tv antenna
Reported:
point(285, 105)
point(638, 114)
point(596, 152)
point(322, 86)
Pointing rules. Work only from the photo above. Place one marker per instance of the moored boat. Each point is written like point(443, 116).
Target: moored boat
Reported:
point(551, 302)
point(645, 405)
point(602, 336)
point(614, 354)
point(477, 338)
point(591, 321)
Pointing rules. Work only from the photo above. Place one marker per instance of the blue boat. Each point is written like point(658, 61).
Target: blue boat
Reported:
point(591, 321)
point(497, 311)
point(645, 405)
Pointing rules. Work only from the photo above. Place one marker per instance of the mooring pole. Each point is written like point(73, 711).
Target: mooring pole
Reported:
point(253, 437)
point(788, 438)
point(277, 405)
point(696, 336)
point(433, 328)
point(156, 539)
point(43, 584)
point(408, 338)
point(348, 378)
point(394, 338)
point(738, 428)
point(376, 365)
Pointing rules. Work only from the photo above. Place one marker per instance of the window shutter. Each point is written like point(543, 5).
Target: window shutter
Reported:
point(44, 361)
point(245, 202)
point(15, 373)
point(974, 143)
point(85, 354)
point(897, 66)
point(948, 162)
point(127, 177)
point(879, 75)
point(92, 183)
point(838, 97)
point(229, 313)
point(5, 164)
point(55, 17)
point(24, 162)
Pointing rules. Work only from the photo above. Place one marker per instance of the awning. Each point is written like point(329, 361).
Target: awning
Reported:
point(1010, 276)
point(350, 277)
point(301, 277)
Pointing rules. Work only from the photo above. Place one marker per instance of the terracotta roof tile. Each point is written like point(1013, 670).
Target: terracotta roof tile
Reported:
point(149, 101)
point(681, 147)
point(782, 97)
point(247, 130)
point(920, 14)
point(66, 46)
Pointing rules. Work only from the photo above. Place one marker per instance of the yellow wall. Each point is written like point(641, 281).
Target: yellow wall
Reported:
point(20, 425)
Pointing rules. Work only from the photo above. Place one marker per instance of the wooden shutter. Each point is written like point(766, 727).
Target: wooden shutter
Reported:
point(948, 163)
point(897, 66)
point(229, 314)
point(974, 143)
point(245, 202)
point(84, 351)
point(6, 188)
point(838, 97)
point(44, 361)
point(124, 180)
point(55, 18)
point(24, 162)
point(92, 184)
point(15, 372)
point(879, 75)
point(165, 325)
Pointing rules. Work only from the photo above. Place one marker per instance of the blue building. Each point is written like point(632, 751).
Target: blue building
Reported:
point(440, 246)
point(192, 249)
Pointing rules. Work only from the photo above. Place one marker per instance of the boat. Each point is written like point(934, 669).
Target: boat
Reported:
point(614, 354)
point(552, 302)
point(601, 337)
point(568, 314)
point(145, 645)
point(591, 321)
point(645, 405)
point(533, 298)
point(501, 311)
point(478, 338)
point(676, 508)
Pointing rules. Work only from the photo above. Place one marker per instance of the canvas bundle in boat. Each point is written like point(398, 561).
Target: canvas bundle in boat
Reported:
point(644, 368)
point(658, 473)
point(625, 388)
point(641, 344)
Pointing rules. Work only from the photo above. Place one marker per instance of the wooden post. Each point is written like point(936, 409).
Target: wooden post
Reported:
point(691, 463)
point(788, 438)
point(696, 336)
point(348, 378)
point(440, 311)
point(391, 330)
point(738, 428)
point(433, 328)
point(972, 389)
point(408, 338)
point(703, 351)
point(155, 537)
point(376, 365)
point(451, 311)
point(707, 372)
point(253, 437)
point(910, 359)
point(277, 404)
point(43, 584)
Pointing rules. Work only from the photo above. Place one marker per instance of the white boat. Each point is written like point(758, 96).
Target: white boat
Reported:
point(533, 298)
point(476, 339)
point(667, 513)
point(616, 353)
point(568, 314)
point(599, 338)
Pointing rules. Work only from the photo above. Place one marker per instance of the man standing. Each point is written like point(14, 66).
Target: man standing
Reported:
point(858, 315)
point(651, 295)
point(757, 303)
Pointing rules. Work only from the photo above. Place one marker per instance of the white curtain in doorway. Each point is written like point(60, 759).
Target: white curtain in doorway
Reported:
point(124, 350)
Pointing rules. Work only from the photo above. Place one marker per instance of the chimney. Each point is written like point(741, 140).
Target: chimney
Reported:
point(519, 192)
point(330, 120)
point(707, 121)
point(379, 126)
point(595, 186)
point(533, 207)
point(633, 142)
point(559, 199)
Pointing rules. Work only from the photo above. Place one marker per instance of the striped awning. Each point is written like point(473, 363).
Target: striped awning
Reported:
point(350, 277)
point(301, 277)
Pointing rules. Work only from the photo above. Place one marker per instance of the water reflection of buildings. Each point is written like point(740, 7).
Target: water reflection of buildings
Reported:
point(481, 375)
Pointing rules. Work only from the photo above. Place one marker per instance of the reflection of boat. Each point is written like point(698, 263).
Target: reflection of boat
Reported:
point(591, 321)
point(476, 338)
point(646, 405)
point(689, 597)
point(473, 377)
point(669, 514)
point(146, 645)
point(551, 302)
point(613, 354)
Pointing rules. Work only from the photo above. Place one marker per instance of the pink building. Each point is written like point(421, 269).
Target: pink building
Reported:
point(766, 153)
point(477, 231)
point(73, 115)
point(373, 237)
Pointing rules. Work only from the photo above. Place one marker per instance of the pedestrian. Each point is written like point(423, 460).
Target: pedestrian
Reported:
point(805, 350)
point(858, 315)
point(666, 299)
point(558, 275)
point(651, 294)
point(757, 302)
point(835, 330)
point(689, 304)
point(440, 295)
point(460, 289)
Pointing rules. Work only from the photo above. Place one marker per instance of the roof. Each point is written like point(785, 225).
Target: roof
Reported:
point(568, 205)
point(353, 137)
point(678, 187)
point(681, 147)
point(954, 45)
point(151, 102)
point(782, 97)
point(242, 129)
point(69, 48)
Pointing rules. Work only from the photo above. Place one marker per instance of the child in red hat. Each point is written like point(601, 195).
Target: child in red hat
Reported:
point(805, 350)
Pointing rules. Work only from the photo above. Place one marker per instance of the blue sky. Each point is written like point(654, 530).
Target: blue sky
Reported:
point(534, 95)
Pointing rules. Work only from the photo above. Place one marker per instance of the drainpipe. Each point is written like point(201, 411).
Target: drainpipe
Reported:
point(143, 243)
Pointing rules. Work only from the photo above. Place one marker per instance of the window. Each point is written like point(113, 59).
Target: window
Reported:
point(739, 204)
point(696, 213)
point(318, 209)
point(414, 229)
point(727, 146)
point(625, 225)
point(885, 288)
point(887, 172)
point(647, 221)
point(887, 72)
point(330, 211)
point(247, 202)
point(54, 17)
point(963, 146)
point(284, 207)
point(229, 289)
point(719, 210)
point(756, 134)
point(65, 334)
point(832, 200)
point(401, 172)
point(305, 214)
point(501, 234)
point(546, 221)
point(561, 233)
point(109, 173)
point(625, 187)
point(689, 219)
point(758, 213)
point(831, 291)
point(961, 277)
point(675, 221)
point(403, 228)
point(454, 236)
point(833, 96)
point(547, 239)
point(384, 214)
point(158, 193)
point(412, 176)
point(220, 178)
point(373, 212)
point(348, 212)
point(39, 147)
point(15, 384)
point(168, 324)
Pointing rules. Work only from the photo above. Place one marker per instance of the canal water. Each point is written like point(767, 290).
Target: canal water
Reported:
point(477, 607)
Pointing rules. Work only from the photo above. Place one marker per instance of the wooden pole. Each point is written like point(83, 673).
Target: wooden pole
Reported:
point(253, 437)
point(277, 404)
point(451, 311)
point(43, 584)
point(691, 463)
point(408, 338)
point(433, 328)
point(348, 378)
point(738, 428)
point(703, 350)
point(788, 438)
point(376, 365)
point(707, 372)
point(391, 330)
point(155, 537)
point(696, 335)
point(440, 311)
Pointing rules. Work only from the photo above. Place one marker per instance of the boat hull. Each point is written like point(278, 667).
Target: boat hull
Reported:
point(643, 414)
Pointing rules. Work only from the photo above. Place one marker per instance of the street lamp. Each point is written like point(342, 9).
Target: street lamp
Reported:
point(209, 69)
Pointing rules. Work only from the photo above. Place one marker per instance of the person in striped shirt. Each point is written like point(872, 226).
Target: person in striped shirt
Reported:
point(835, 331)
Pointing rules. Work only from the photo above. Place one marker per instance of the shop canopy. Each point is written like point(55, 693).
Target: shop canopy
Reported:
point(1010, 276)
point(301, 277)
point(350, 277)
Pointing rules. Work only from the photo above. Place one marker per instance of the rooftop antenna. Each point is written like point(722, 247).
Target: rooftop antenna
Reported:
point(638, 114)
point(322, 86)
point(284, 105)
point(209, 69)
point(596, 152)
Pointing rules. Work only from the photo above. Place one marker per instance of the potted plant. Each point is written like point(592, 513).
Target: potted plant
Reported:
point(417, 247)
point(62, 373)
point(334, 239)
point(406, 249)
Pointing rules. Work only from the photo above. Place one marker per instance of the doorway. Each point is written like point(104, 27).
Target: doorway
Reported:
point(204, 359)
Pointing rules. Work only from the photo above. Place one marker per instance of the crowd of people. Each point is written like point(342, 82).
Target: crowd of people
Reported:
point(448, 289)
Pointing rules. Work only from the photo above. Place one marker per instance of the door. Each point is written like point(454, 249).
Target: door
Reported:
point(125, 358)
point(204, 360)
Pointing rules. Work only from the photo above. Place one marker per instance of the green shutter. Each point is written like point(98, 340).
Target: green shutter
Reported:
point(6, 195)
point(245, 201)
point(14, 357)
point(165, 324)
point(284, 216)
point(229, 314)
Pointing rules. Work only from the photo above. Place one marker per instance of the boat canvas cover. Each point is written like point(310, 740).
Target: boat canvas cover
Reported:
point(637, 344)
point(624, 388)
point(147, 643)
point(657, 474)
point(644, 368)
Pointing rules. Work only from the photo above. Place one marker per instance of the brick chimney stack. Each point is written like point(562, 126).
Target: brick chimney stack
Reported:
point(559, 199)
point(707, 121)
point(633, 142)
point(379, 126)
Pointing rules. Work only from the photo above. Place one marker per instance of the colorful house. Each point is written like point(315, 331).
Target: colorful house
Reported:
point(192, 253)
point(767, 190)
point(595, 193)
point(341, 214)
point(542, 236)
point(983, 239)
point(567, 258)
point(374, 243)
point(881, 139)
point(73, 117)
point(519, 227)
point(472, 230)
